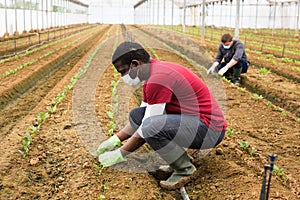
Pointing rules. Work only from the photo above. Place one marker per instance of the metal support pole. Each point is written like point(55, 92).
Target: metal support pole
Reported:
point(237, 20)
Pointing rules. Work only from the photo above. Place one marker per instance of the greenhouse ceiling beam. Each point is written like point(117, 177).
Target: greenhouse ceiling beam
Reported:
point(188, 5)
point(178, 3)
point(281, 1)
point(79, 3)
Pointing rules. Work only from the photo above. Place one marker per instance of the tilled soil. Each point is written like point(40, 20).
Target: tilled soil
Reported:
point(59, 164)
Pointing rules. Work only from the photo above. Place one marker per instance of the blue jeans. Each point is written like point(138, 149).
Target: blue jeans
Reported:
point(168, 130)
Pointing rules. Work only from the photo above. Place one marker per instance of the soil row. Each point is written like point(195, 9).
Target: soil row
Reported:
point(56, 151)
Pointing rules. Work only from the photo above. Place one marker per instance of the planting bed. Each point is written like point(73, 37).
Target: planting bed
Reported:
point(59, 164)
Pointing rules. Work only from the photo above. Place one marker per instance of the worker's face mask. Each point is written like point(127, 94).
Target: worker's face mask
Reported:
point(226, 47)
point(131, 81)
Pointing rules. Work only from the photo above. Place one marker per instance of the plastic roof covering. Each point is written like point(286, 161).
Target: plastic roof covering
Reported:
point(195, 2)
point(188, 2)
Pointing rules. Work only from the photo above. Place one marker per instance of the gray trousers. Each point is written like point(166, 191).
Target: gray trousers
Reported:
point(164, 132)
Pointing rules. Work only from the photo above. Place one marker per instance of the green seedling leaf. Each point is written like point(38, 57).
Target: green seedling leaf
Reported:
point(257, 97)
point(51, 109)
point(264, 71)
point(269, 103)
point(34, 129)
point(244, 145)
point(111, 132)
point(253, 150)
point(229, 131)
point(110, 114)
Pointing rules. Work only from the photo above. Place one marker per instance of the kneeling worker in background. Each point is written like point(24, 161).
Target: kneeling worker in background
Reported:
point(235, 59)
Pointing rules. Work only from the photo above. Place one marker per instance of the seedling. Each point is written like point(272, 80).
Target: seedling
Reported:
point(99, 168)
point(110, 114)
point(257, 97)
point(269, 103)
point(51, 109)
point(34, 129)
point(253, 150)
point(42, 117)
point(283, 112)
point(242, 89)
point(105, 187)
point(264, 71)
point(101, 197)
point(26, 142)
point(244, 145)
point(279, 172)
point(229, 131)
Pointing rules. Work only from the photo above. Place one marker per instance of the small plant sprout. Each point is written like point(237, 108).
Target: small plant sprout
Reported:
point(242, 89)
point(269, 103)
point(298, 120)
point(101, 197)
point(257, 97)
point(34, 129)
point(105, 186)
point(51, 109)
point(42, 117)
point(26, 142)
point(283, 112)
point(225, 79)
point(98, 167)
point(110, 114)
point(279, 172)
point(111, 132)
point(244, 145)
point(229, 131)
point(264, 71)
point(252, 151)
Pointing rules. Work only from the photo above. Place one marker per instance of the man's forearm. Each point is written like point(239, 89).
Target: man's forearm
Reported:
point(231, 63)
point(126, 132)
point(132, 144)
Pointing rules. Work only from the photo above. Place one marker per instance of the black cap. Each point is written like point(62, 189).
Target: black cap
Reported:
point(124, 48)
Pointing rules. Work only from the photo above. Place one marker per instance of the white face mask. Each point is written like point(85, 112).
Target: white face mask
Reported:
point(226, 47)
point(127, 79)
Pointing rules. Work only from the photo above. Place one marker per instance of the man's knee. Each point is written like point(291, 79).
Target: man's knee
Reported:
point(136, 116)
point(152, 126)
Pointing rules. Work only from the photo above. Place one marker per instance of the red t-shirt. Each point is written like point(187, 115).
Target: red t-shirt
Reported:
point(183, 92)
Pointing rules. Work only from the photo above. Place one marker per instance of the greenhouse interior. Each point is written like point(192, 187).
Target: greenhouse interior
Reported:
point(150, 99)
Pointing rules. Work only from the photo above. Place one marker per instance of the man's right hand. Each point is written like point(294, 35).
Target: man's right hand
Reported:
point(108, 145)
point(212, 68)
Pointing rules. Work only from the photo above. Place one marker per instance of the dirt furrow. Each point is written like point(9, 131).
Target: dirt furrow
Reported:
point(18, 102)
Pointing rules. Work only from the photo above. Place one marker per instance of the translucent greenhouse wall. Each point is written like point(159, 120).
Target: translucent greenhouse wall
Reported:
point(157, 12)
point(51, 13)
point(111, 12)
point(253, 14)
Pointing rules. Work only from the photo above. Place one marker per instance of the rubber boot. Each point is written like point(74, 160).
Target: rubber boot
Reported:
point(236, 76)
point(168, 169)
point(183, 170)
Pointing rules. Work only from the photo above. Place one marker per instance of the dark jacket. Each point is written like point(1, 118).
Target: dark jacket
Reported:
point(236, 51)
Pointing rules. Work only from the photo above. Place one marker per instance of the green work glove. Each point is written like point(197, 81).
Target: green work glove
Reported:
point(108, 145)
point(110, 158)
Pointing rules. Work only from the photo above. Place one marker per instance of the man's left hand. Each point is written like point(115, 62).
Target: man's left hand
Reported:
point(110, 158)
point(223, 70)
